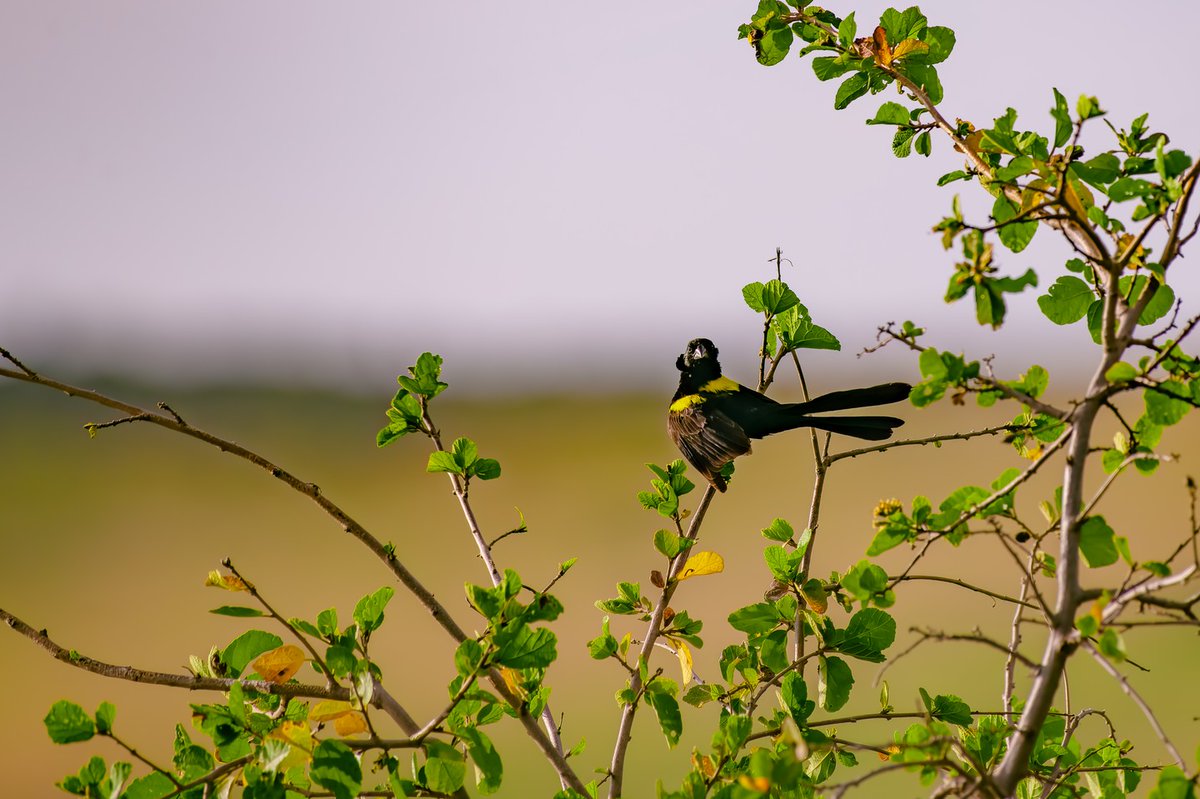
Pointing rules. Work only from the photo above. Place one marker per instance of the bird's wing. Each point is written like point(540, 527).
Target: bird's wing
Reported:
point(708, 438)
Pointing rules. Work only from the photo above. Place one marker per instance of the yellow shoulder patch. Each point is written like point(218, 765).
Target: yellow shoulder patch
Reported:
point(720, 385)
point(683, 403)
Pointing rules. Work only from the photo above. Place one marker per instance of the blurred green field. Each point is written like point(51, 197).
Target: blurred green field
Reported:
point(107, 543)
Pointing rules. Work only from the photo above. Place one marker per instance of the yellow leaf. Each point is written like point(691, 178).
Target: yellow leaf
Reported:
point(227, 581)
point(299, 738)
point(350, 724)
point(329, 709)
point(512, 678)
point(760, 784)
point(280, 664)
point(883, 53)
point(908, 47)
point(684, 653)
point(700, 564)
point(817, 601)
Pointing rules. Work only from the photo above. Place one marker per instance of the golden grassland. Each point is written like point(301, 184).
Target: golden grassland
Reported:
point(107, 542)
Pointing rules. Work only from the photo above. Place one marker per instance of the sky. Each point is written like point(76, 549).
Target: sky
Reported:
point(553, 195)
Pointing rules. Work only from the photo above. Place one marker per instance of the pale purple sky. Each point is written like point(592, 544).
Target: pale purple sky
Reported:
point(543, 192)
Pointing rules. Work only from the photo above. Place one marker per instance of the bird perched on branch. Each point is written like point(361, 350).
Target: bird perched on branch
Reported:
point(712, 418)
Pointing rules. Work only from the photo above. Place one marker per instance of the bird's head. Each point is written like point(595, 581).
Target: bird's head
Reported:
point(700, 357)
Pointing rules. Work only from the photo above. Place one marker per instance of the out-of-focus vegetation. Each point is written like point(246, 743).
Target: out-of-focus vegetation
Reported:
point(107, 543)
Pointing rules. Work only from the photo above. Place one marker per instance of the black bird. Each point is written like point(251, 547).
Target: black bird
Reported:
point(712, 418)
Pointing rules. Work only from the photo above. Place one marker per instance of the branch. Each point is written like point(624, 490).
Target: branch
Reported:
point(911, 442)
point(964, 584)
point(625, 728)
point(170, 422)
point(978, 638)
point(460, 485)
point(1137, 700)
point(191, 682)
point(385, 553)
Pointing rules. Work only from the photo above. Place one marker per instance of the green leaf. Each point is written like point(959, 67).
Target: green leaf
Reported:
point(773, 46)
point(950, 177)
point(486, 469)
point(1087, 107)
point(941, 44)
point(1096, 542)
point(1017, 167)
point(369, 610)
point(1014, 235)
point(443, 462)
point(445, 768)
point(794, 693)
point(1129, 188)
point(1098, 171)
point(902, 142)
point(327, 622)
point(773, 297)
point(757, 618)
point(336, 769)
point(1173, 784)
point(923, 144)
point(830, 68)
point(489, 769)
point(68, 723)
point(1120, 372)
point(237, 611)
point(246, 647)
point(105, 715)
point(152, 786)
point(468, 657)
point(522, 647)
point(1111, 645)
point(1161, 406)
point(425, 376)
point(835, 679)
point(926, 77)
point(847, 30)
point(806, 335)
point(1160, 304)
point(1062, 119)
point(903, 25)
point(949, 708)
point(851, 89)
point(869, 632)
point(668, 543)
point(669, 719)
point(1067, 300)
point(604, 645)
point(778, 530)
point(890, 114)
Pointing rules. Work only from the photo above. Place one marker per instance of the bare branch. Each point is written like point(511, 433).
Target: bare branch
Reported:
point(911, 442)
point(1137, 700)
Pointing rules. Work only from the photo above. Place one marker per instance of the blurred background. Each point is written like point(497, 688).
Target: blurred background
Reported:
point(261, 214)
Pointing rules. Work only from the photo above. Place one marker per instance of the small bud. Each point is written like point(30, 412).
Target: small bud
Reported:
point(656, 579)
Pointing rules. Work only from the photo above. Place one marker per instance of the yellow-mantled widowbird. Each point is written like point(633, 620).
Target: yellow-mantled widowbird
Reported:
point(713, 418)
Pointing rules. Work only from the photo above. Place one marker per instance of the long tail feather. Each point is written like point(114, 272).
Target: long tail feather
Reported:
point(855, 398)
point(871, 428)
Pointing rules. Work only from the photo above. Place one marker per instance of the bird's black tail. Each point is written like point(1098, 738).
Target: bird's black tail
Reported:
point(854, 398)
point(872, 428)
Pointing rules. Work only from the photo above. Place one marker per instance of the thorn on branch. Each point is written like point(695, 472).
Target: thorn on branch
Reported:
point(8, 356)
point(164, 406)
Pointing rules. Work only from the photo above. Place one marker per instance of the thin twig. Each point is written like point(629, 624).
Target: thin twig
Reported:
point(625, 727)
point(1137, 700)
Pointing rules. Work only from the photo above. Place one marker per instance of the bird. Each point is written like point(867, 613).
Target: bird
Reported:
point(712, 418)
